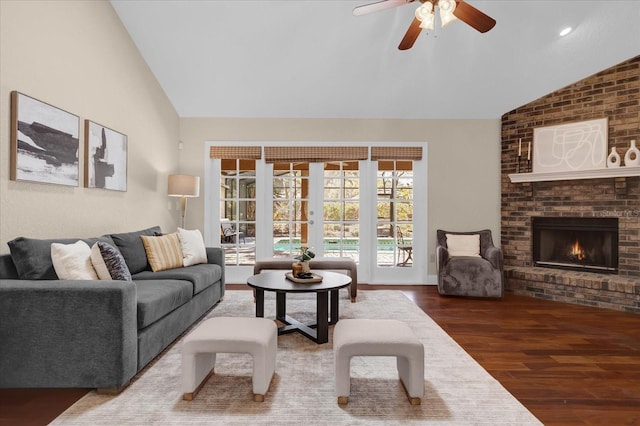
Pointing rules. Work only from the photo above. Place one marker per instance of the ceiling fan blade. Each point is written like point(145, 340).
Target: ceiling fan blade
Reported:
point(473, 17)
point(411, 35)
point(381, 5)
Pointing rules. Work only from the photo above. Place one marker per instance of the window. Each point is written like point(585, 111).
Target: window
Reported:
point(238, 211)
point(394, 228)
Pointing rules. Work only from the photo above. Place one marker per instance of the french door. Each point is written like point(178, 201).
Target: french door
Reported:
point(316, 205)
point(360, 209)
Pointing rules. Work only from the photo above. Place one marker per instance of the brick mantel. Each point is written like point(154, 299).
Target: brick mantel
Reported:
point(615, 94)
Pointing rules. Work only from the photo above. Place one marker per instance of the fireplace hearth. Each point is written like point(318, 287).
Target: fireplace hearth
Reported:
point(576, 243)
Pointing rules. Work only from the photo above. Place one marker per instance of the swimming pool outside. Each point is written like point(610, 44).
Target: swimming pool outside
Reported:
point(334, 244)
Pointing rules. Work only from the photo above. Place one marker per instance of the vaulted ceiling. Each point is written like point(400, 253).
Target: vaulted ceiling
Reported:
point(314, 59)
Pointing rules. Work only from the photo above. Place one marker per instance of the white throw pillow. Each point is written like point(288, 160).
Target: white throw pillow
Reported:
point(73, 261)
point(463, 245)
point(193, 249)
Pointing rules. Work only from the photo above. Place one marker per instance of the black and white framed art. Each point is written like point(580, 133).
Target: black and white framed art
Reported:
point(44, 142)
point(105, 157)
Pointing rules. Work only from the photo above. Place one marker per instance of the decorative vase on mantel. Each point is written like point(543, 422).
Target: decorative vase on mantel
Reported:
point(632, 157)
point(613, 160)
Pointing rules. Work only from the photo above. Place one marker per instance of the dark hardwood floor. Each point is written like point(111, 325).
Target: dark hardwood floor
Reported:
point(568, 364)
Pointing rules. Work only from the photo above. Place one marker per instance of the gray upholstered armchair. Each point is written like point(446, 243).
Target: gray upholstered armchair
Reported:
point(468, 264)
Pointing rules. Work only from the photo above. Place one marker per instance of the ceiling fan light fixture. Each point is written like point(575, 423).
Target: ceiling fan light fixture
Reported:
point(450, 10)
point(425, 15)
point(429, 23)
point(446, 11)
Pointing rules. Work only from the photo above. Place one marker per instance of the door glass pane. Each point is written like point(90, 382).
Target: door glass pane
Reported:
point(351, 210)
point(238, 211)
point(395, 214)
point(341, 209)
point(332, 211)
point(384, 209)
point(290, 208)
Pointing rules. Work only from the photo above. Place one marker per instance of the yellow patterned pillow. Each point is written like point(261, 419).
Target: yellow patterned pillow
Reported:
point(163, 252)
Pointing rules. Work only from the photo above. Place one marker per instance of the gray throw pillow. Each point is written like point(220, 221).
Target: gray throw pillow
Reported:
point(109, 263)
point(132, 249)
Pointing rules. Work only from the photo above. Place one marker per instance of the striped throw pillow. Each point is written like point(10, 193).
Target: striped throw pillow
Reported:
point(163, 252)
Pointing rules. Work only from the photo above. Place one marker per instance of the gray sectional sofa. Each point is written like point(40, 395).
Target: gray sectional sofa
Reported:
point(95, 333)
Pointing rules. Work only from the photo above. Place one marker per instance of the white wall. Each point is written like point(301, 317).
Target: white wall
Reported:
point(77, 56)
point(464, 160)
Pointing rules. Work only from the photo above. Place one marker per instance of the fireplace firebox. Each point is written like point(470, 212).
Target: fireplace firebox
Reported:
point(584, 244)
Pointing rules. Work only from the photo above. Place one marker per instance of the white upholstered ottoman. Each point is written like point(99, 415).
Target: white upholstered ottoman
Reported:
point(378, 337)
point(255, 336)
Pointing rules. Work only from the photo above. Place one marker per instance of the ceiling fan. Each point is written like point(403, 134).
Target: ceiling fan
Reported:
point(425, 16)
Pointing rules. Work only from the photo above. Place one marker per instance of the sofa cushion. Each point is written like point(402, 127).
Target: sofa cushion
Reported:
point(163, 252)
point(132, 249)
point(73, 261)
point(32, 256)
point(157, 298)
point(200, 276)
point(109, 263)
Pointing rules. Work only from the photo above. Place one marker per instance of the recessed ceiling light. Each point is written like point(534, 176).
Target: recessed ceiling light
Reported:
point(565, 31)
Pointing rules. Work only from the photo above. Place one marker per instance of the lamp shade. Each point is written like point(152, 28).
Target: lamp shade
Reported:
point(184, 186)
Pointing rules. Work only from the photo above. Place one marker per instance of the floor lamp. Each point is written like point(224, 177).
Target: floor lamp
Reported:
point(183, 186)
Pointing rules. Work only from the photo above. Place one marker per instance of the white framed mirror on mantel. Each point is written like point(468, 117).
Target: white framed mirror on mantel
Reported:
point(611, 172)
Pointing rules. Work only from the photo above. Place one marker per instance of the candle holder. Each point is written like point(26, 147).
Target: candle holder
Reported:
point(518, 164)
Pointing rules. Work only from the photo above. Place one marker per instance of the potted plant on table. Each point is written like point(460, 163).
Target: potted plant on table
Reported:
point(303, 261)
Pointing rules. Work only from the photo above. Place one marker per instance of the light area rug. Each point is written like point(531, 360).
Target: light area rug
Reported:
point(457, 389)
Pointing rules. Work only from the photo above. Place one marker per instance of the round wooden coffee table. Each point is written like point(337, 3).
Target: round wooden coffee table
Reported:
point(325, 315)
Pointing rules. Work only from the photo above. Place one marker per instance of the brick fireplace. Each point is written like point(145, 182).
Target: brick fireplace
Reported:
point(615, 94)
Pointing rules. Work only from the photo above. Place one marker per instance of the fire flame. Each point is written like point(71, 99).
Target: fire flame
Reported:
point(577, 251)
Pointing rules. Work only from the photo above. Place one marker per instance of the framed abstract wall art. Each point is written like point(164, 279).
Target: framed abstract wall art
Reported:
point(570, 147)
point(105, 157)
point(44, 142)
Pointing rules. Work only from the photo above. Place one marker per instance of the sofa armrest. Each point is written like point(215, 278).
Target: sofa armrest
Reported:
point(58, 333)
point(494, 256)
point(442, 255)
point(215, 255)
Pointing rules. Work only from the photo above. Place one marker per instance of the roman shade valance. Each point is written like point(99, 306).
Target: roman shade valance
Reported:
point(236, 152)
point(314, 154)
point(396, 153)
